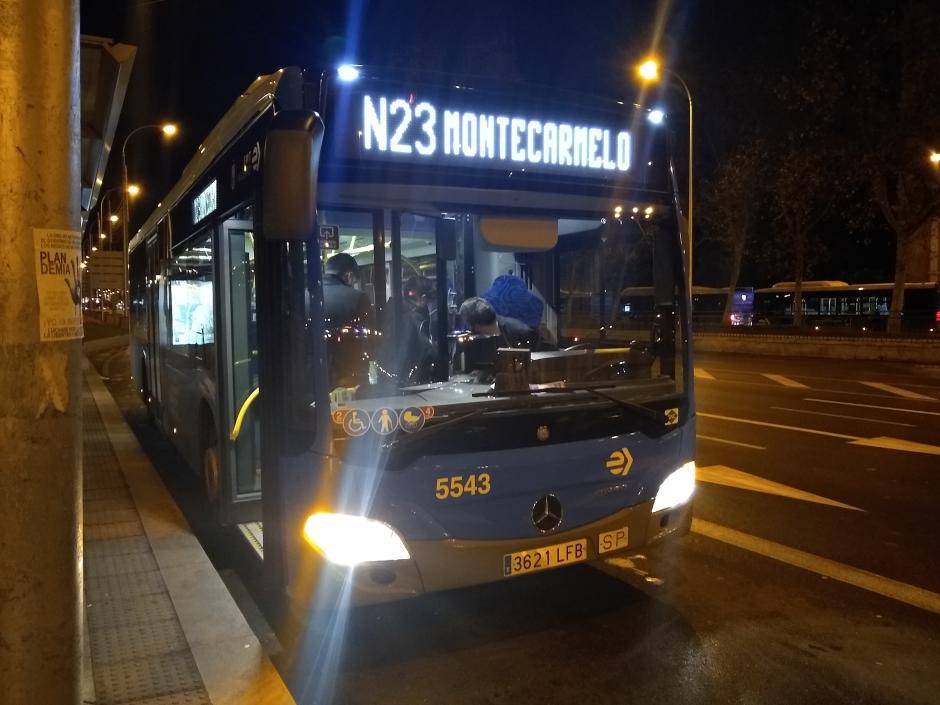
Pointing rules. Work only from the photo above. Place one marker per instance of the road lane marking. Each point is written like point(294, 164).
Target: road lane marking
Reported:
point(768, 424)
point(785, 381)
point(872, 406)
point(885, 442)
point(730, 477)
point(701, 373)
point(730, 443)
point(842, 416)
point(897, 444)
point(872, 582)
point(906, 393)
point(770, 385)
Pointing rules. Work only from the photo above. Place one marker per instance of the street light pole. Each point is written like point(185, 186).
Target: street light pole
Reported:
point(169, 130)
point(649, 71)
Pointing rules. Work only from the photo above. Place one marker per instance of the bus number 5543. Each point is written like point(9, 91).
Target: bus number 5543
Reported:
point(457, 486)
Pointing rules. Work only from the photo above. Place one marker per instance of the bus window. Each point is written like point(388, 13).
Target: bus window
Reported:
point(192, 326)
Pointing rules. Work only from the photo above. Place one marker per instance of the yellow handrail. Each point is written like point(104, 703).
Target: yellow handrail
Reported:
point(237, 428)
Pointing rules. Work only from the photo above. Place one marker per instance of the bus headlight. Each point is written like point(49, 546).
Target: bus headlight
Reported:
point(677, 488)
point(349, 540)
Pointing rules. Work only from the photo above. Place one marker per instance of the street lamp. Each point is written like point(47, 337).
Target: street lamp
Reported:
point(649, 71)
point(934, 157)
point(169, 130)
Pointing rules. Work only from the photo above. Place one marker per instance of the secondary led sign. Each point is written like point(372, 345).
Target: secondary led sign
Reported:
point(396, 128)
point(205, 202)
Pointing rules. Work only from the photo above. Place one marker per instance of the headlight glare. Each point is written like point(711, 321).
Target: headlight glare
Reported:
point(349, 540)
point(677, 488)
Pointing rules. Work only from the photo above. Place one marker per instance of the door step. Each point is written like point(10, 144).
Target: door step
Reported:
point(254, 535)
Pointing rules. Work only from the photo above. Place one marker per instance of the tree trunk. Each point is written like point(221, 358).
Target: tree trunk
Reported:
point(737, 257)
point(900, 277)
point(799, 246)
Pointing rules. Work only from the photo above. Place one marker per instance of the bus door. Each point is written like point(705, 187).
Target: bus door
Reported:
point(240, 449)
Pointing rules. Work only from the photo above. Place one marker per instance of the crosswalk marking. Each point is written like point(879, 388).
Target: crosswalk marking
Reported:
point(701, 373)
point(729, 442)
point(891, 389)
point(898, 444)
point(872, 406)
point(785, 381)
point(731, 477)
point(886, 587)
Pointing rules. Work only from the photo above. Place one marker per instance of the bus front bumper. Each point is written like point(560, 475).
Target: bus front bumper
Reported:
point(453, 563)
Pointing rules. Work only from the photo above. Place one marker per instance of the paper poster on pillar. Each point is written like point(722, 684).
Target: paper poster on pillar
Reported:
point(59, 283)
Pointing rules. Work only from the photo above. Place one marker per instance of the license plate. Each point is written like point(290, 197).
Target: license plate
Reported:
point(544, 558)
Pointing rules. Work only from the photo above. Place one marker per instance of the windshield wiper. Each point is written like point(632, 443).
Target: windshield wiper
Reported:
point(640, 409)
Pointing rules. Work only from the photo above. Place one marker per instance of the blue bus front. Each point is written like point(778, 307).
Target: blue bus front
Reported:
point(485, 406)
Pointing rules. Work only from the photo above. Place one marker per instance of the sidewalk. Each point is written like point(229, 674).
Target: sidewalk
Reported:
point(161, 627)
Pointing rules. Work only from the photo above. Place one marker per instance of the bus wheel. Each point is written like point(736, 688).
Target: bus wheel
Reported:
point(211, 468)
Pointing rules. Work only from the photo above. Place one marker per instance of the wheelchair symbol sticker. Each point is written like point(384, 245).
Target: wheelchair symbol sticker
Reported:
point(384, 421)
point(355, 422)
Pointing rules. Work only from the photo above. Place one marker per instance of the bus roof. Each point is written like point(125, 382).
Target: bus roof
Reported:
point(257, 98)
point(840, 286)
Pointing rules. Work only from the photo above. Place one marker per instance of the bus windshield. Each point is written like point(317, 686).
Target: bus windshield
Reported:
point(526, 307)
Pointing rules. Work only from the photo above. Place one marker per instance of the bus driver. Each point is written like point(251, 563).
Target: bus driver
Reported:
point(343, 303)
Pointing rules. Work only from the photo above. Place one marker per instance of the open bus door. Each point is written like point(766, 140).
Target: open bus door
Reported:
point(239, 450)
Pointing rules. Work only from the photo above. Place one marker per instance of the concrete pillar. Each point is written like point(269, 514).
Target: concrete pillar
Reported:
point(40, 396)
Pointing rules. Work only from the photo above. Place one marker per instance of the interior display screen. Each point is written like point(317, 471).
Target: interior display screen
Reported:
point(191, 303)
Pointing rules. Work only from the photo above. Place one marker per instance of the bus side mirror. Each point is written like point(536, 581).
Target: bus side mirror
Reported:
point(446, 236)
point(289, 175)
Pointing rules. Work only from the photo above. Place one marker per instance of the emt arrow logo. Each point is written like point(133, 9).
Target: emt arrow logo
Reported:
point(620, 462)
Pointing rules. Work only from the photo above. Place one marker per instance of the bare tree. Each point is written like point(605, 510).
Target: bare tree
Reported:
point(733, 199)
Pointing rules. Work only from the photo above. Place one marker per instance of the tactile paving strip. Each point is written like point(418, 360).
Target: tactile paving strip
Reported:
point(139, 653)
point(128, 611)
point(107, 565)
point(134, 679)
point(137, 640)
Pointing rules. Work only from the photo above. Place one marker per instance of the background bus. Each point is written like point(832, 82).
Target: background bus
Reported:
point(851, 306)
point(398, 441)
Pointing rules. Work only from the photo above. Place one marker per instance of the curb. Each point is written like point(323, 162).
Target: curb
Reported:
point(233, 667)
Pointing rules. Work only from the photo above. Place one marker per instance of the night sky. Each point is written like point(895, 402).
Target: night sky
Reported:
point(196, 56)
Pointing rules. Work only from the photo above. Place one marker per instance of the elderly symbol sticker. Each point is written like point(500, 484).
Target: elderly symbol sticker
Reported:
point(620, 462)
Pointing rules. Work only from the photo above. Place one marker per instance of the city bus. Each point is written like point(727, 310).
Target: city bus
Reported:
point(859, 307)
point(400, 450)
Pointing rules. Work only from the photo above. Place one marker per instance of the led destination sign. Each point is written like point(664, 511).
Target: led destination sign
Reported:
point(394, 128)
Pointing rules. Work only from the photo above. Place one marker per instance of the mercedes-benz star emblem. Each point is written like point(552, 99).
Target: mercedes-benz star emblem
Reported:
point(546, 513)
point(542, 433)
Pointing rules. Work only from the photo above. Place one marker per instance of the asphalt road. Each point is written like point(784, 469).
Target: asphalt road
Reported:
point(812, 574)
